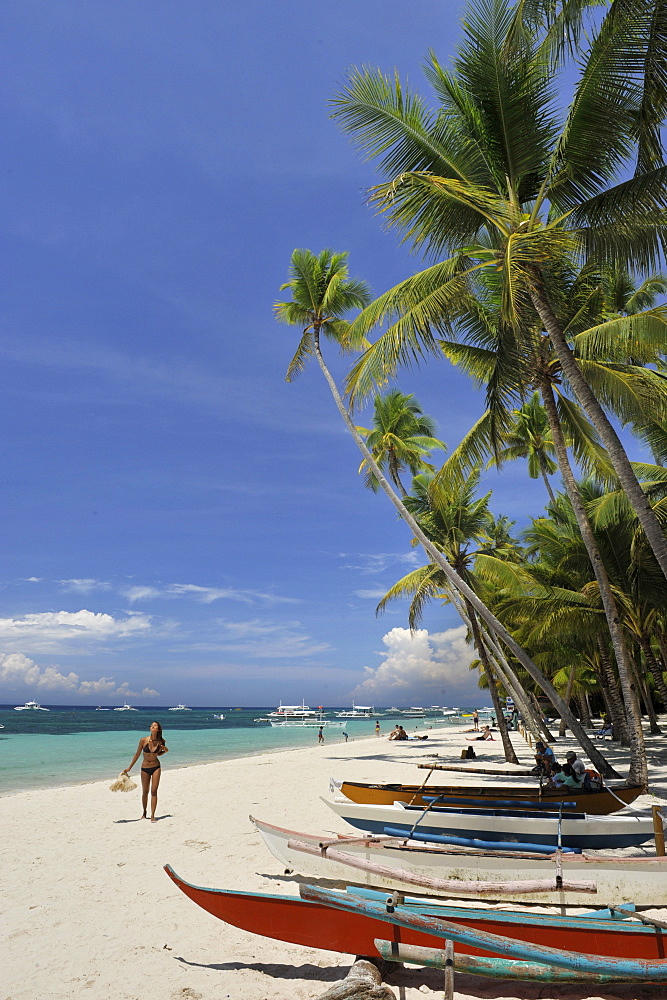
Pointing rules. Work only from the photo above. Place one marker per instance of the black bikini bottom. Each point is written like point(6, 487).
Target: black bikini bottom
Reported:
point(150, 770)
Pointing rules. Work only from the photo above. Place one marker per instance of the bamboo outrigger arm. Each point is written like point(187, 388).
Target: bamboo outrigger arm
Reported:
point(473, 888)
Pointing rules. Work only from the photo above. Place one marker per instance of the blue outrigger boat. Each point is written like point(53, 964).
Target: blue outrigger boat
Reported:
point(496, 828)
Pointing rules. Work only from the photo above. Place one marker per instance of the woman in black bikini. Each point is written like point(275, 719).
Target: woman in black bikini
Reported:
point(151, 748)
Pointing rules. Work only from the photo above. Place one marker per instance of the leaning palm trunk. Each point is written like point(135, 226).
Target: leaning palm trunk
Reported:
point(619, 717)
point(584, 710)
point(485, 614)
point(504, 671)
point(510, 753)
point(638, 769)
point(545, 477)
point(595, 413)
point(532, 718)
point(568, 697)
point(654, 667)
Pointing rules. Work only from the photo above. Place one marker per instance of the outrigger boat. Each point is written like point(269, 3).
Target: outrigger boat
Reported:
point(481, 827)
point(592, 944)
point(509, 875)
point(603, 802)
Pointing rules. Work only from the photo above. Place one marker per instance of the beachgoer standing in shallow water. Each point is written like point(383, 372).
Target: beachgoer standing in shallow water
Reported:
point(151, 749)
point(377, 727)
point(475, 719)
point(320, 735)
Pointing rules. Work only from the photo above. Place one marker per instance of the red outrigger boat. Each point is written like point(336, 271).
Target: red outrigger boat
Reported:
point(350, 923)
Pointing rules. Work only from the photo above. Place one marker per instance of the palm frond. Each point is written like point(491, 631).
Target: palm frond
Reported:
point(389, 121)
point(640, 337)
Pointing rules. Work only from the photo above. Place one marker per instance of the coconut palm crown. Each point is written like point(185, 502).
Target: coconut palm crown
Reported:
point(497, 178)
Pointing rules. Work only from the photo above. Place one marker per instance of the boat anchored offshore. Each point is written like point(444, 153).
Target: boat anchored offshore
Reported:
point(31, 706)
point(357, 712)
point(126, 708)
point(315, 723)
point(284, 712)
point(179, 708)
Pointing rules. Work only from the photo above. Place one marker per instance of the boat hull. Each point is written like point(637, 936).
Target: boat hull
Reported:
point(593, 803)
point(578, 831)
point(618, 880)
point(317, 925)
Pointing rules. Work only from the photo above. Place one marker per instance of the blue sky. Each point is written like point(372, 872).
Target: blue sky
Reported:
point(177, 522)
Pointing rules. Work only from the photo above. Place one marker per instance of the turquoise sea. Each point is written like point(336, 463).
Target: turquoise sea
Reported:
point(68, 744)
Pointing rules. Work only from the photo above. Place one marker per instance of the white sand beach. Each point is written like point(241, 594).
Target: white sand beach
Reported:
point(89, 912)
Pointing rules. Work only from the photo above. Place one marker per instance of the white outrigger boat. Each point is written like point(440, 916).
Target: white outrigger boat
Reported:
point(289, 712)
point(538, 827)
point(179, 708)
point(509, 876)
point(316, 723)
point(31, 706)
point(357, 712)
point(126, 708)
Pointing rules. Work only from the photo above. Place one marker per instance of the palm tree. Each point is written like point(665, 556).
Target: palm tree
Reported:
point(486, 359)
point(317, 284)
point(498, 179)
point(530, 438)
point(455, 521)
point(402, 436)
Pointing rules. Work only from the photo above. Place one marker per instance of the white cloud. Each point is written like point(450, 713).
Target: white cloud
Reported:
point(368, 563)
point(19, 671)
point(374, 595)
point(84, 585)
point(206, 595)
point(52, 629)
point(419, 661)
point(263, 639)
point(141, 593)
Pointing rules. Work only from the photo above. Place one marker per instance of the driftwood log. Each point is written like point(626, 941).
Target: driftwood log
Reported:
point(363, 982)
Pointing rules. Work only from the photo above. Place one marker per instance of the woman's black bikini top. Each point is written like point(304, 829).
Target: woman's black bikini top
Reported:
point(146, 750)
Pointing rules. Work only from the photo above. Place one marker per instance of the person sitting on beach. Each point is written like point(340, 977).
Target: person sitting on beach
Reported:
point(577, 765)
point(486, 735)
point(545, 759)
point(567, 777)
point(152, 747)
point(398, 733)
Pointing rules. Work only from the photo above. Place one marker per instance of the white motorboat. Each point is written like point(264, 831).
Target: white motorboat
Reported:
point(284, 712)
point(100, 709)
point(220, 717)
point(357, 712)
point(179, 708)
point(31, 706)
point(315, 723)
point(126, 708)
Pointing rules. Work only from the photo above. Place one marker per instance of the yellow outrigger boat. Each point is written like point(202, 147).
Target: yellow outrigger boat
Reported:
point(597, 803)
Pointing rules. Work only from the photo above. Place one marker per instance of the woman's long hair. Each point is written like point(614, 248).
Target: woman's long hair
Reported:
point(159, 738)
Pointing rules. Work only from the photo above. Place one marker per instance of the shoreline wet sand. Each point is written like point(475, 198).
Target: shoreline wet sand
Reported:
point(90, 913)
